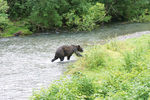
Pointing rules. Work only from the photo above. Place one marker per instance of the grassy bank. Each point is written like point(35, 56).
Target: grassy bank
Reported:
point(14, 31)
point(117, 70)
point(17, 28)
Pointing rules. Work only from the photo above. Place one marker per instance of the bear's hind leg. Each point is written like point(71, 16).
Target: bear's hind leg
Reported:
point(61, 58)
point(68, 57)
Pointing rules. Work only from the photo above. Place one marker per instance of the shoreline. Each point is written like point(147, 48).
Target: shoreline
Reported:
point(130, 36)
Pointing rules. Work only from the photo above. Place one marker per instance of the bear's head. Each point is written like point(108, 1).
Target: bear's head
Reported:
point(79, 48)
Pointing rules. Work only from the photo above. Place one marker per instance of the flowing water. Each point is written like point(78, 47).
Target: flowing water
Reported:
point(25, 62)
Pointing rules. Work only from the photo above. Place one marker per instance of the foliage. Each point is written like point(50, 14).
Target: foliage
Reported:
point(18, 9)
point(3, 6)
point(95, 58)
point(145, 17)
point(107, 73)
point(8, 27)
point(4, 21)
point(14, 29)
point(124, 9)
point(76, 88)
point(47, 13)
point(76, 14)
point(95, 14)
point(126, 72)
point(79, 15)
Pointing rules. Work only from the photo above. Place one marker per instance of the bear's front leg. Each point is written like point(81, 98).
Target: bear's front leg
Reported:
point(61, 58)
point(78, 54)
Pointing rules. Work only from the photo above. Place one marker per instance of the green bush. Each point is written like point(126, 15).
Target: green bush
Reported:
point(4, 21)
point(18, 9)
point(124, 9)
point(3, 6)
point(144, 17)
point(131, 58)
point(76, 88)
point(47, 13)
point(95, 58)
point(126, 85)
point(95, 14)
point(77, 14)
point(82, 15)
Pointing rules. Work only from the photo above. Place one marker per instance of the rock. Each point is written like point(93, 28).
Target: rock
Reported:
point(18, 33)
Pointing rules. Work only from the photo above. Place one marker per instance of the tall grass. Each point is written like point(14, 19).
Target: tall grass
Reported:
point(133, 58)
point(76, 88)
point(94, 58)
point(114, 71)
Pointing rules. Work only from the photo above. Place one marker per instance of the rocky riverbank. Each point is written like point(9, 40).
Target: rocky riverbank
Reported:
point(129, 36)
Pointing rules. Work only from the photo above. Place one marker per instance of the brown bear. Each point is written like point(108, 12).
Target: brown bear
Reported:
point(67, 50)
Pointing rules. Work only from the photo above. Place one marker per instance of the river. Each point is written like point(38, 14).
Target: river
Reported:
point(25, 62)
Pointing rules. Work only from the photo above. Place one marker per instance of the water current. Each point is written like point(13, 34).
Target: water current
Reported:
point(25, 62)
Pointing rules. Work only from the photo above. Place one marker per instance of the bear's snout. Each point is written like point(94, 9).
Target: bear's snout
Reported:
point(81, 50)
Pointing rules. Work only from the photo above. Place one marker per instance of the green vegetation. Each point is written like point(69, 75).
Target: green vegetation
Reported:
point(67, 89)
point(95, 13)
point(145, 17)
point(14, 29)
point(4, 21)
point(114, 71)
point(9, 28)
point(71, 14)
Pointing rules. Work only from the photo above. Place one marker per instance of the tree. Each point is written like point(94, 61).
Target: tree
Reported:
point(124, 9)
point(4, 21)
point(18, 9)
point(95, 14)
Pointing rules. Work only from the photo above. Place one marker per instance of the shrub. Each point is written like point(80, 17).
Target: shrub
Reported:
point(95, 14)
point(94, 58)
point(144, 17)
point(76, 88)
point(4, 21)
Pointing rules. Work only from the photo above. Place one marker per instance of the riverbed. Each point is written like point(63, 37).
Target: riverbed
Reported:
point(25, 62)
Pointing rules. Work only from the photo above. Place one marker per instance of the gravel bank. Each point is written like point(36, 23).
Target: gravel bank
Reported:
point(137, 34)
point(122, 38)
